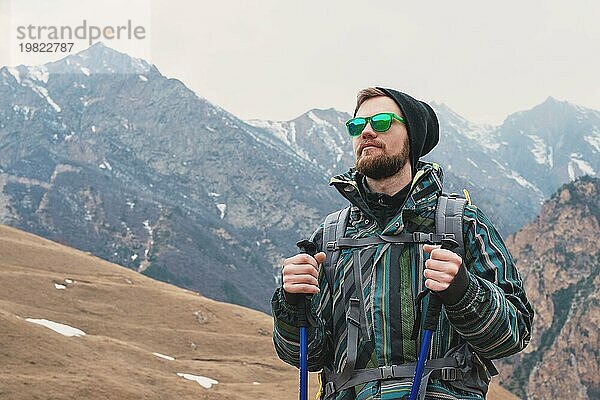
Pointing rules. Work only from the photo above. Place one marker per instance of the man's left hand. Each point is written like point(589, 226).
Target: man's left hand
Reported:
point(441, 268)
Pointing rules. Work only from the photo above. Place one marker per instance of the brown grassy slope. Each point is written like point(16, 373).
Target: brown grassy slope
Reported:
point(127, 317)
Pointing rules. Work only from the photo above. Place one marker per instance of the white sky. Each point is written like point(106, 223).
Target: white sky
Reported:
point(273, 59)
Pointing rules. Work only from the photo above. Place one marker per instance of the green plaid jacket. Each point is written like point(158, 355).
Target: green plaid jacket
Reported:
point(493, 316)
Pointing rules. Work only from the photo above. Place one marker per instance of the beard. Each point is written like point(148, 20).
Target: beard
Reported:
point(380, 166)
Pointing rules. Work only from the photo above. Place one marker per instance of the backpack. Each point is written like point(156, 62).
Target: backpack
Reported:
point(448, 225)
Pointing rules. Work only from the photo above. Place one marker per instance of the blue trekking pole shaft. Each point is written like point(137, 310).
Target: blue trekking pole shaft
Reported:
point(304, 359)
point(309, 248)
point(429, 327)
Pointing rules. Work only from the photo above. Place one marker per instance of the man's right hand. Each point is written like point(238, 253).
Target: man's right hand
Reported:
point(300, 273)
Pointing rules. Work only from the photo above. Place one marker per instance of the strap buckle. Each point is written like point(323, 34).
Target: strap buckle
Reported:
point(422, 237)
point(353, 312)
point(332, 246)
point(448, 374)
point(386, 372)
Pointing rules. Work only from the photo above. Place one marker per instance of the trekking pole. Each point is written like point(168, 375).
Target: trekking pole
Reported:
point(429, 327)
point(309, 248)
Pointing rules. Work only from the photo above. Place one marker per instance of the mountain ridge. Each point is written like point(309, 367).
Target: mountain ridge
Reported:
point(124, 150)
point(143, 171)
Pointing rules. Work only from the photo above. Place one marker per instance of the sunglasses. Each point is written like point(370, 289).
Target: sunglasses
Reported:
point(379, 122)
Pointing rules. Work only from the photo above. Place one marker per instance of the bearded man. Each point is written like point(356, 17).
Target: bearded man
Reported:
point(364, 313)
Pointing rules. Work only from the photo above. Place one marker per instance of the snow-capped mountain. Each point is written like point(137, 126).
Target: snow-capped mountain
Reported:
point(551, 144)
point(319, 136)
point(102, 152)
point(509, 170)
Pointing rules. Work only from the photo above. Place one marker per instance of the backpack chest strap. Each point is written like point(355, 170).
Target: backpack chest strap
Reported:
point(414, 237)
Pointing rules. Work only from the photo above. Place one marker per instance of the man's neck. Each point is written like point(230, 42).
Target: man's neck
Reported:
point(393, 184)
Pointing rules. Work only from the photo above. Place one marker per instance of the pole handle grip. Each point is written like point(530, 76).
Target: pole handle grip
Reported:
point(310, 248)
point(435, 303)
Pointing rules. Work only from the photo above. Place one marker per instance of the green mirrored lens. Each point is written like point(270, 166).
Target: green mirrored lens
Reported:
point(381, 122)
point(356, 126)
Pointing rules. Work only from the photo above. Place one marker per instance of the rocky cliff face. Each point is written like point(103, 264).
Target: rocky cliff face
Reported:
point(558, 256)
point(102, 152)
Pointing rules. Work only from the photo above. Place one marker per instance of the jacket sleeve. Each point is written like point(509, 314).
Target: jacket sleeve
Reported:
point(286, 332)
point(493, 315)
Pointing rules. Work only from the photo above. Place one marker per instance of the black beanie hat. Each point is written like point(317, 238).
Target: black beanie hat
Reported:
point(421, 124)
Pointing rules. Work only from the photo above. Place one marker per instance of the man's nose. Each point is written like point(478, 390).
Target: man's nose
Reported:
point(368, 131)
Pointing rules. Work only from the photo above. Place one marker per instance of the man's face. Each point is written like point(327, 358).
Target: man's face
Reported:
point(381, 154)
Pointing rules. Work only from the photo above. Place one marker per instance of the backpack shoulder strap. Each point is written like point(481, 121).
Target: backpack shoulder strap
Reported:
point(334, 228)
point(449, 218)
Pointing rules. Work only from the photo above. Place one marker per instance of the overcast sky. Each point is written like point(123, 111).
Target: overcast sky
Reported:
point(278, 59)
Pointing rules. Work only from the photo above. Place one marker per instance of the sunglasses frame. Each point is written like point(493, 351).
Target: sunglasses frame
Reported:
point(368, 121)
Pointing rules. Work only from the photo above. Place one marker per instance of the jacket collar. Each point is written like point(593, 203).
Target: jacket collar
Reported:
point(425, 188)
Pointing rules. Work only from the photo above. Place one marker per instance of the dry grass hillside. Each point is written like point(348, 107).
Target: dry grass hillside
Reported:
point(126, 318)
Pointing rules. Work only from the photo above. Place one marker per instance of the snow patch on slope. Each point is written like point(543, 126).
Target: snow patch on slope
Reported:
point(39, 73)
point(202, 380)
point(164, 356)
point(514, 175)
point(317, 120)
point(578, 166)
point(63, 329)
point(222, 207)
point(43, 93)
point(542, 153)
point(594, 140)
point(277, 128)
point(15, 73)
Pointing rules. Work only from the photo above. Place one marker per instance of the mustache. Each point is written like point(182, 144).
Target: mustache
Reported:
point(367, 143)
